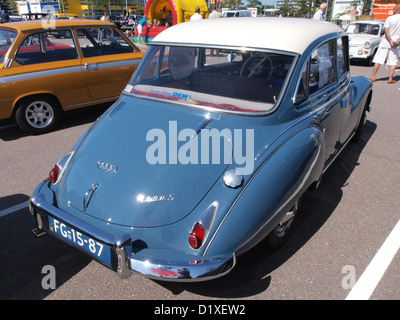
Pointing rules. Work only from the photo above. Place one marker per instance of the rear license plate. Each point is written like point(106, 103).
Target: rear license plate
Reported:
point(91, 246)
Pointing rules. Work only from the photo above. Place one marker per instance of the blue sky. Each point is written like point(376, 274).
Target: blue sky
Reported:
point(264, 2)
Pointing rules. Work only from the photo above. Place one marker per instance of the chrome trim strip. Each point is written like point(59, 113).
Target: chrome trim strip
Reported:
point(39, 74)
point(62, 71)
point(188, 271)
point(8, 63)
point(92, 102)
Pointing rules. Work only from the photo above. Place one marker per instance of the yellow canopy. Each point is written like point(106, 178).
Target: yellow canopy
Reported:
point(181, 10)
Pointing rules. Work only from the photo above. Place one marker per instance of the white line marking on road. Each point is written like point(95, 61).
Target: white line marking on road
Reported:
point(372, 275)
point(14, 208)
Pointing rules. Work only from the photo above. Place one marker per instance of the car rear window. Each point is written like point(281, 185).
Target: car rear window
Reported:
point(7, 38)
point(234, 80)
point(46, 46)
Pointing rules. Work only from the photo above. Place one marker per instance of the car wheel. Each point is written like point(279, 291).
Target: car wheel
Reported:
point(279, 235)
point(37, 114)
point(363, 120)
point(370, 58)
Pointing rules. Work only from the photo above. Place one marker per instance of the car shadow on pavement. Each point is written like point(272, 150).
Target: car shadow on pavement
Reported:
point(253, 271)
point(68, 119)
point(23, 256)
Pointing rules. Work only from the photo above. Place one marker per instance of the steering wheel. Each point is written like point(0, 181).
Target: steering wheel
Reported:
point(257, 65)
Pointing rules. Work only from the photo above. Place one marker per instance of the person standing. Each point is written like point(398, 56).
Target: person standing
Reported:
point(4, 16)
point(105, 17)
point(387, 50)
point(197, 15)
point(320, 14)
point(214, 13)
point(140, 28)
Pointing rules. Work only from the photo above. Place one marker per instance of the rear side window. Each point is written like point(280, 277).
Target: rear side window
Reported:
point(326, 64)
point(7, 37)
point(322, 67)
point(342, 55)
point(46, 47)
point(102, 41)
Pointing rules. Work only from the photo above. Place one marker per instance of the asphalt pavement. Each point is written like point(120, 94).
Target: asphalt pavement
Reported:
point(343, 226)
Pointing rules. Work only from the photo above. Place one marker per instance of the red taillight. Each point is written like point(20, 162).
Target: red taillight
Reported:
point(196, 236)
point(53, 175)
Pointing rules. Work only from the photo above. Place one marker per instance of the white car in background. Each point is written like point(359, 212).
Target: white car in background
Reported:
point(364, 38)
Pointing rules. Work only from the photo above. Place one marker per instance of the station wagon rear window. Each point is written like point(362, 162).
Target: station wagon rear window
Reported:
point(7, 38)
point(234, 80)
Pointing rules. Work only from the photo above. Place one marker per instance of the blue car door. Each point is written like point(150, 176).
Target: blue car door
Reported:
point(319, 92)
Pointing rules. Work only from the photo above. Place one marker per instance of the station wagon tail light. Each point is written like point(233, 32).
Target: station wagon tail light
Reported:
point(201, 229)
point(54, 173)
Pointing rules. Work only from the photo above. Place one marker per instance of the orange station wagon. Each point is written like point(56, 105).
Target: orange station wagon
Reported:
point(51, 66)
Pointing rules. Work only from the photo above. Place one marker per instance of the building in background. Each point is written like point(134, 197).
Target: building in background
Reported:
point(345, 11)
point(35, 6)
point(80, 7)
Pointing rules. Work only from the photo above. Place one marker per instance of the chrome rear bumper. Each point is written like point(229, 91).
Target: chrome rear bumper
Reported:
point(123, 260)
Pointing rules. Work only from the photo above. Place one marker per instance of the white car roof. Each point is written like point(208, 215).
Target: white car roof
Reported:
point(368, 21)
point(286, 34)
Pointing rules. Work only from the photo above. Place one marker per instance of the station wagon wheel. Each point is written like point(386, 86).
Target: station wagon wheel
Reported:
point(279, 235)
point(37, 114)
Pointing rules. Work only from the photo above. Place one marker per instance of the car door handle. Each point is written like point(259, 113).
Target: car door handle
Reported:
point(91, 66)
point(88, 196)
point(321, 114)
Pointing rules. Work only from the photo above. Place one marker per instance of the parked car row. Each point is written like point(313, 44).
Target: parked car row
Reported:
point(146, 190)
point(42, 76)
point(364, 36)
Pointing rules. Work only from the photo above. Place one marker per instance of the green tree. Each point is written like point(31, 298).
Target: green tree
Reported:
point(286, 9)
point(233, 4)
point(254, 4)
point(304, 8)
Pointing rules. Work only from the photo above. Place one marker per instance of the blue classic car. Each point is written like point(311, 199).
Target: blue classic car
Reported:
point(223, 127)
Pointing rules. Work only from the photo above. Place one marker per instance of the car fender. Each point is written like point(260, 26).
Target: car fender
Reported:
point(279, 181)
point(360, 85)
point(25, 95)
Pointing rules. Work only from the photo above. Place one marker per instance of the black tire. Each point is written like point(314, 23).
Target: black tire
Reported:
point(363, 119)
point(370, 58)
point(37, 114)
point(280, 234)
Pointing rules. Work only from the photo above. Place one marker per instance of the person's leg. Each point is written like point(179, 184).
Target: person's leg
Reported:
point(374, 71)
point(392, 63)
point(379, 59)
point(391, 74)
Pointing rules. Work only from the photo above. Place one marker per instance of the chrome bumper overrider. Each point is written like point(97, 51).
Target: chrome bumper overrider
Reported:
point(123, 260)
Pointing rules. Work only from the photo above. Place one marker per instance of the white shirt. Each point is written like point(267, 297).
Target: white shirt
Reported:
point(319, 15)
point(393, 23)
point(196, 16)
point(214, 14)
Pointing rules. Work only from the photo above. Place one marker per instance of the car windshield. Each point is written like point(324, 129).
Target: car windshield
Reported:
point(235, 80)
point(363, 28)
point(7, 38)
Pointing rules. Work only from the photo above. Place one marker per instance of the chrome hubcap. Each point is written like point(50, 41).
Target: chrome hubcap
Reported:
point(284, 225)
point(39, 114)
